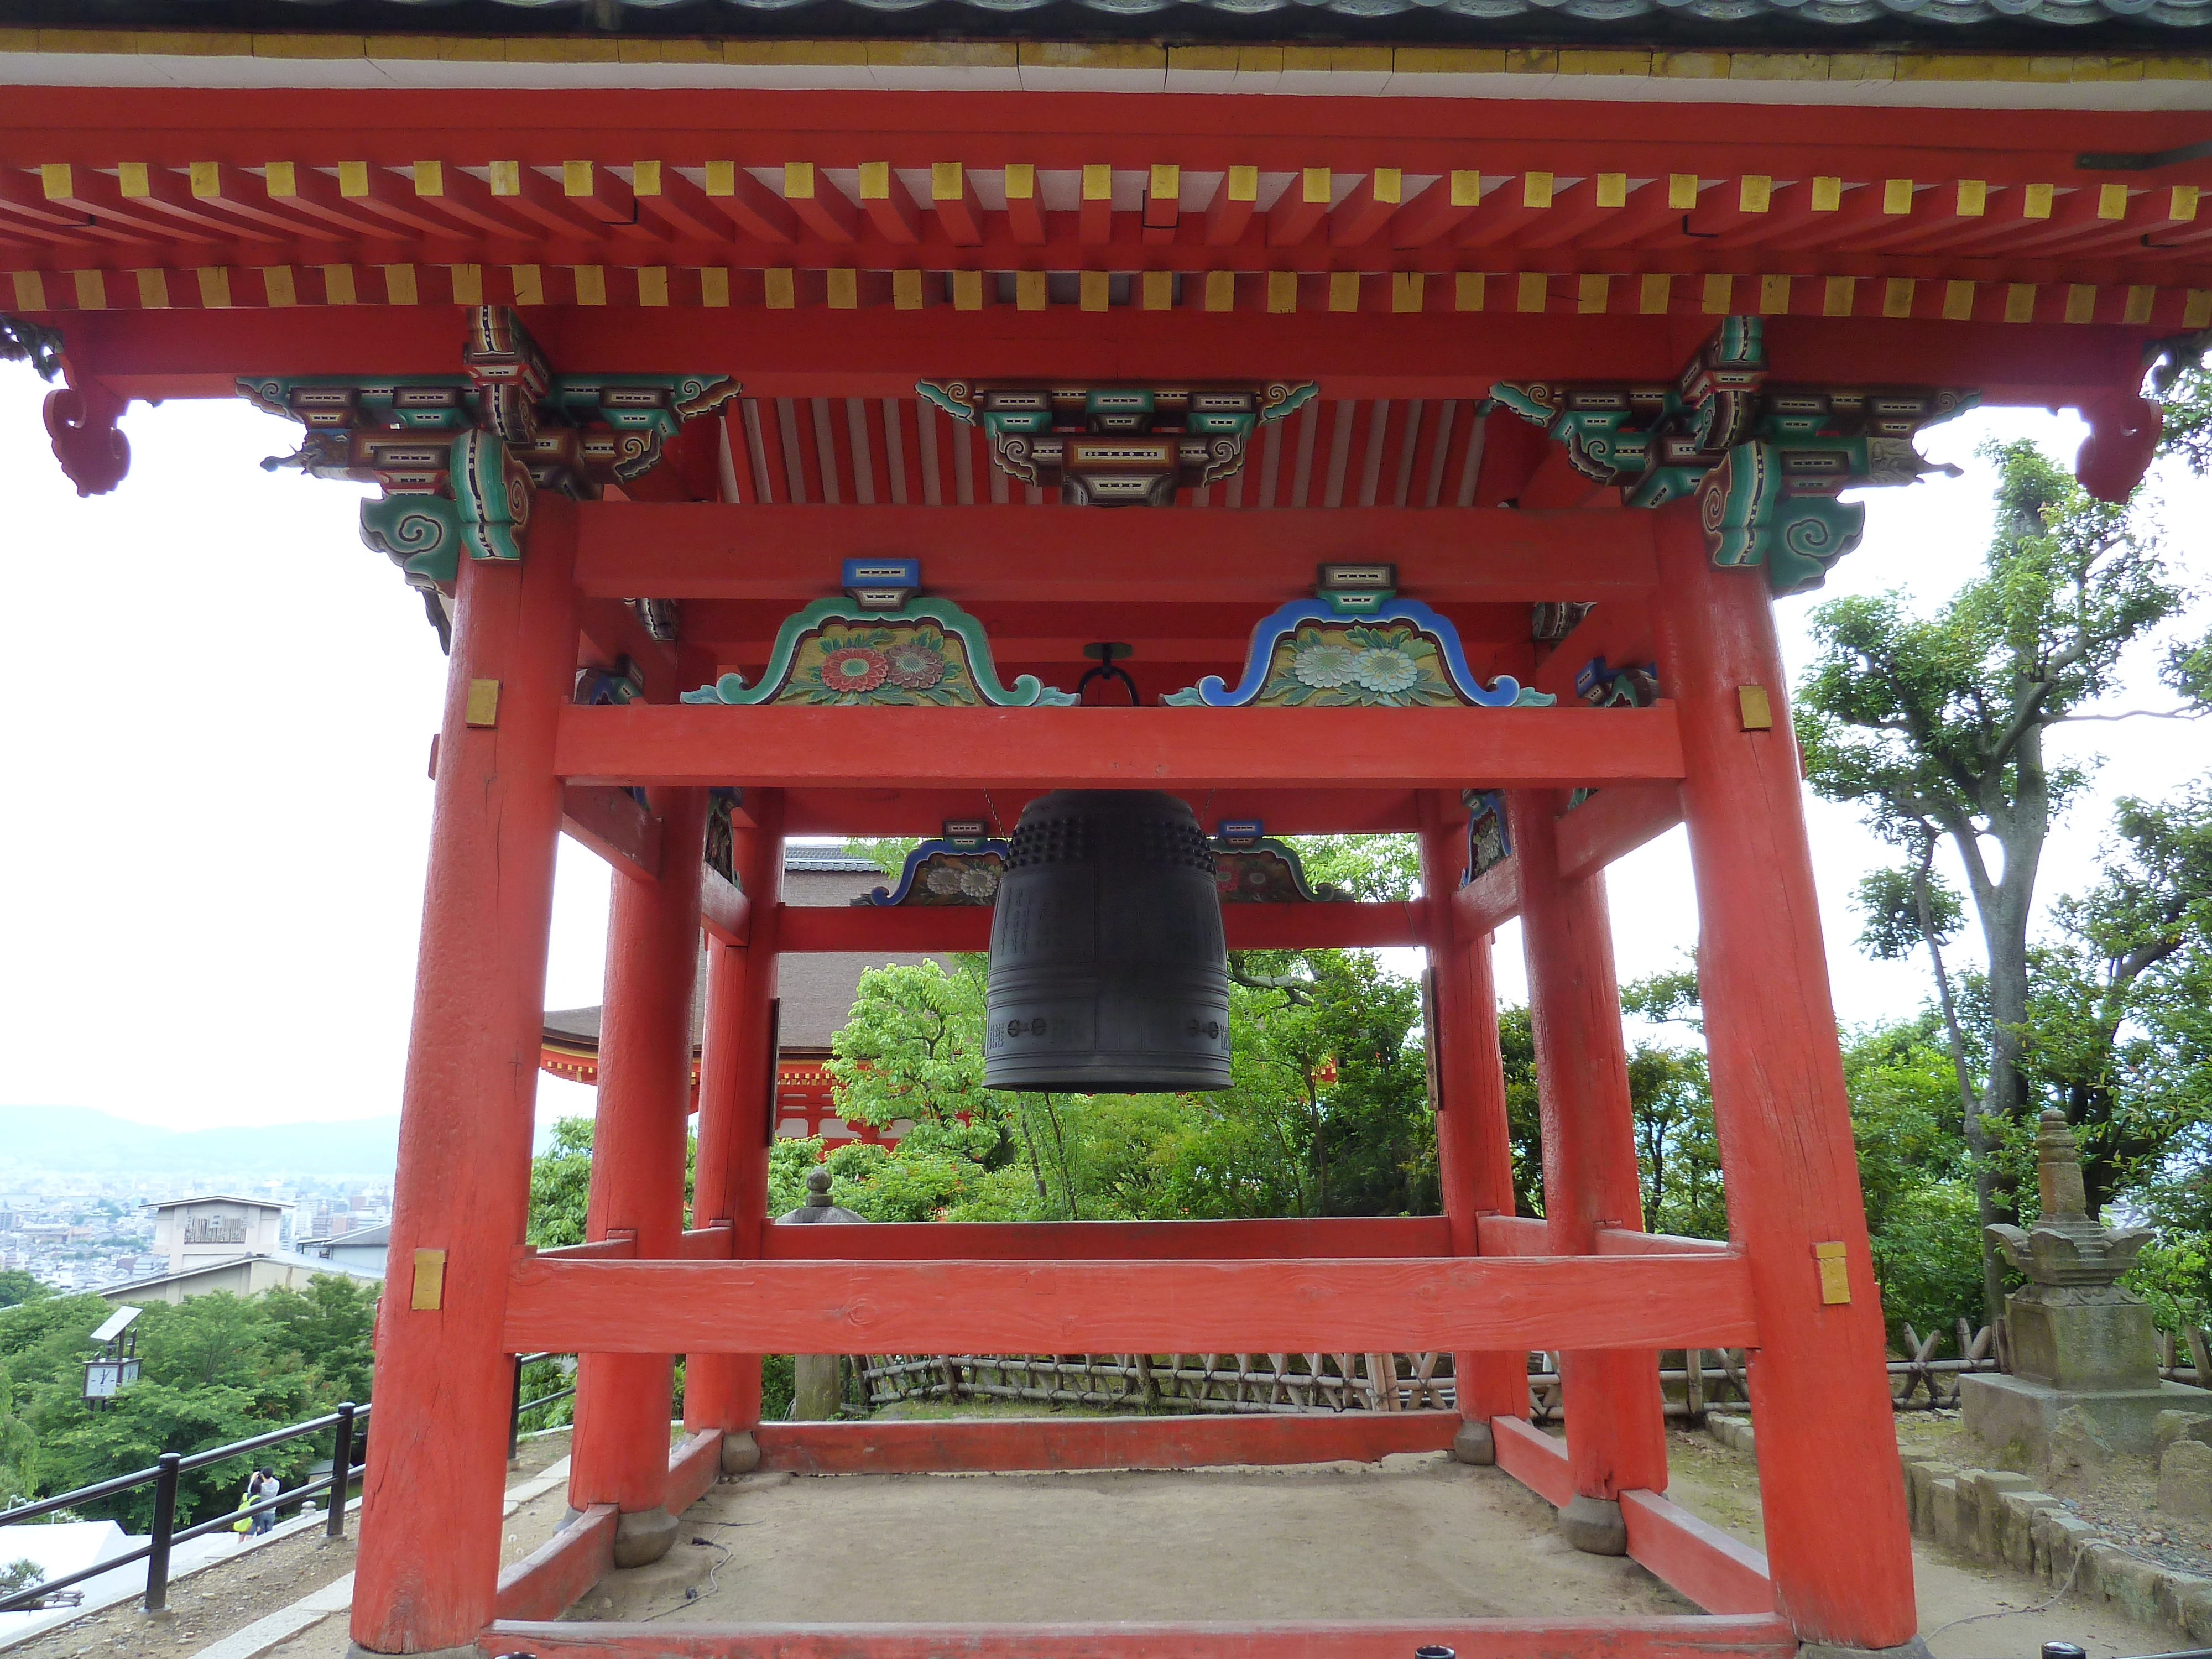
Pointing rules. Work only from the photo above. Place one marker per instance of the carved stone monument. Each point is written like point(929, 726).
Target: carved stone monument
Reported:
point(2085, 1378)
point(815, 1390)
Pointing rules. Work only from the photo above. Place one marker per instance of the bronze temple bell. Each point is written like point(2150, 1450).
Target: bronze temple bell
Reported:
point(1108, 974)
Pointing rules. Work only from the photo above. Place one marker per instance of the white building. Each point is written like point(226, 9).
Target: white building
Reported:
point(221, 1241)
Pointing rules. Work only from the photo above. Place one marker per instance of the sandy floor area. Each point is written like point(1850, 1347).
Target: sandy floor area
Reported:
point(1416, 1536)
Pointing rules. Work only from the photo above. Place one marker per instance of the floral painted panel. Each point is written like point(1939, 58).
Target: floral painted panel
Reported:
point(904, 662)
point(1326, 665)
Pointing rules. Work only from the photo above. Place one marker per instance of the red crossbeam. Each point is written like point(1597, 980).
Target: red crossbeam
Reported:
point(1007, 1445)
point(793, 746)
point(1752, 1636)
point(808, 928)
point(1331, 1237)
point(1458, 1304)
point(788, 554)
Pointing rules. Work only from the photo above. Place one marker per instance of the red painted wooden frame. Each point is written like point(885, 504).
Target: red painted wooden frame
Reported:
point(1459, 1304)
point(1721, 1574)
point(968, 927)
point(1752, 1636)
point(787, 555)
point(1287, 1239)
point(792, 746)
point(1007, 1444)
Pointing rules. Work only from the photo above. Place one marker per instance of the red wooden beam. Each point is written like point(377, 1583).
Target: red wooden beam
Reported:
point(1614, 823)
point(1536, 1459)
point(1336, 1237)
point(881, 352)
point(1487, 902)
point(1720, 1573)
point(1294, 811)
point(1461, 1305)
point(1511, 1235)
point(794, 746)
point(695, 1463)
point(808, 928)
point(545, 1583)
point(707, 1243)
point(1743, 1637)
point(611, 823)
point(723, 910)
point(622, 1247)
point(789, 555)
point(1626, 1240)
point(1002, 1445)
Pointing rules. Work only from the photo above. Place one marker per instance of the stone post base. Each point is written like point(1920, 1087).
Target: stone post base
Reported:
point(644, 1536)
point(740, 1452)
point(2034, 1419)
point(1474, 1444)
point(1595, 1526)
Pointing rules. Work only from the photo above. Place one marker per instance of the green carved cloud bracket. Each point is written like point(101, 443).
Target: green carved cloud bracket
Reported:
point(929, 653)
point(460, 456)
point(1766, 462)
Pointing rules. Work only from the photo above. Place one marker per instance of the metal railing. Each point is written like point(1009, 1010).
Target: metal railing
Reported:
point(165, 1534)
point(515, 1413)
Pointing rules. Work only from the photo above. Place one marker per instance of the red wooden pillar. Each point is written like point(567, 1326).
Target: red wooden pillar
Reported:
point(619, 1452)
point(737, 1119)
point(1474, 1149)
point(1616, 1427)
point(1836, 1537)
point(437, 1463)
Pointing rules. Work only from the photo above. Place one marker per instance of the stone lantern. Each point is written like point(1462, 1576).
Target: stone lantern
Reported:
point(2084, 1350)
point(814, 1376)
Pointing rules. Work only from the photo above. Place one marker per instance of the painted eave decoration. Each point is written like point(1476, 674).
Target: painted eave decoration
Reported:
point(926, 653)
point(1767, 462)
point(459, 456)
point(1403, 654)
point(1117, 445)
point(1264, 870)
point(940, 872)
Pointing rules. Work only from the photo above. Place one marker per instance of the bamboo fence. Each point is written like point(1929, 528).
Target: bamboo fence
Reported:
point(1692, 1380)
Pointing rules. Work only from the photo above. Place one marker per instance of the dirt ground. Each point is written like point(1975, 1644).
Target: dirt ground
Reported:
point(225, 1598)
point(1968, 1609)
point(1415, 1536)
point(1412, 1537)
point(2120, 1498)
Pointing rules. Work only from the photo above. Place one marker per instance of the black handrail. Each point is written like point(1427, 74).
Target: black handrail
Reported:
point(345, 1422)
point(164, 1532)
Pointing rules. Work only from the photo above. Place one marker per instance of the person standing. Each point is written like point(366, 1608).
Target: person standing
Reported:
point(266, 1487)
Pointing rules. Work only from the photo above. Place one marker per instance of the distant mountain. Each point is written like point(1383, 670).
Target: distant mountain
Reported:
point(77, 1141)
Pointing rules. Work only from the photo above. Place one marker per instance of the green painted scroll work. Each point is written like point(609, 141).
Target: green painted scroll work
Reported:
point(487, 513)
point(882, 659)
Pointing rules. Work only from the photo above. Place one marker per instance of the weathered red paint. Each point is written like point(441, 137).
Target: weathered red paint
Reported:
point(1155, 1307)
point(620, 1448)
point(722, 1389)
point(1744, 1637)
point(1281, 1237)
point(546, 1582)
point(1829, 1483)
point(429, 1563)
point(1003, 1444)
point(1616, 1435)
point(1474, 1153)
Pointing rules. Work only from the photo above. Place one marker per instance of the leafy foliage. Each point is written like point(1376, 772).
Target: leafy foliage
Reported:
point(214, 1369)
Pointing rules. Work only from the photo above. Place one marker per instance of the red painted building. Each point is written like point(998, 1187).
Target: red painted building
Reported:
point(815, 994)
point(746, 386)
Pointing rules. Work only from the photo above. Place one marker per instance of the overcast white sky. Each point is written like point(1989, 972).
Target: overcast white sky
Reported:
point(211, 864)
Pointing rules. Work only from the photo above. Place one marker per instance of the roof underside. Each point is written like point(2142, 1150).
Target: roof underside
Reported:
point(1823, 23)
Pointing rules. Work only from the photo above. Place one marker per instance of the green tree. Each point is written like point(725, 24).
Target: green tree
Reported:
point(18, 1285)
point(2112, 1033)
point(1937, 726)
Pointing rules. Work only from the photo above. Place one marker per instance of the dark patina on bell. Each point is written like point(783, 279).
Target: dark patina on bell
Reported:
point(1109, 973)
